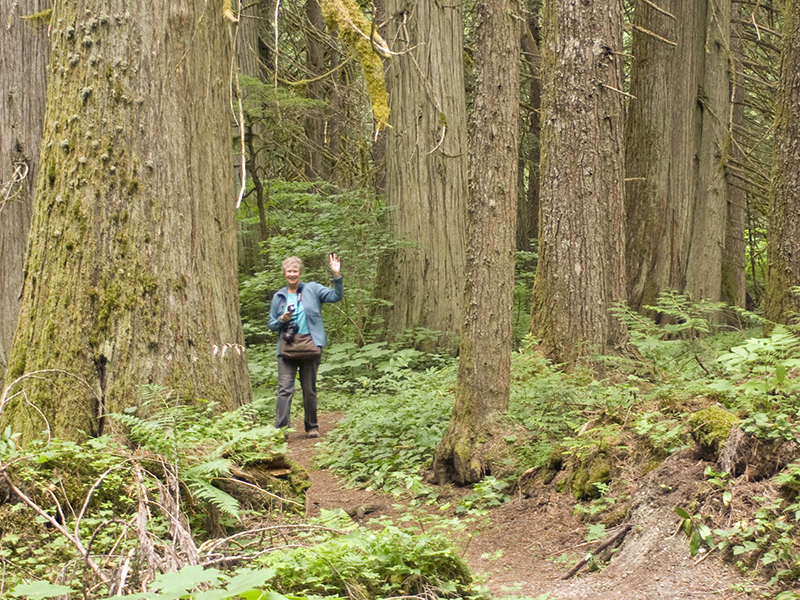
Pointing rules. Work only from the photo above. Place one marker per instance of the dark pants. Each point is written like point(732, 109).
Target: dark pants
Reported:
point(287, 371)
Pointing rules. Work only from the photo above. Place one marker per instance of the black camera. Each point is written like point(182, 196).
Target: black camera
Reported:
point(289, 331)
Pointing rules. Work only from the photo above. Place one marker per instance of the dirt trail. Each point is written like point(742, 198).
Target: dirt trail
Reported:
point(526, 546)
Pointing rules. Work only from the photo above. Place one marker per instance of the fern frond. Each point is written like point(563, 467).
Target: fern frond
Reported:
point(208, 469)
point(220, 500)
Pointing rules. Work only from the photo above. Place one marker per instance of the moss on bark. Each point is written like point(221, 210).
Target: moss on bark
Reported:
point(131, 275)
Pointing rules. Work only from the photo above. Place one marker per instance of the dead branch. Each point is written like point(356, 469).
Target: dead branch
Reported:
point(613, 89)
point(759, 28)
point(210, 546)
point(658, 9)
point(7, 189)
point(654, 35)
point(74, 540)
point(178, 528)
point(607, 543)
point(260, 490)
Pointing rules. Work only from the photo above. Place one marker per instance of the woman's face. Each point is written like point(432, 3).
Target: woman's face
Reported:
point(292, 275)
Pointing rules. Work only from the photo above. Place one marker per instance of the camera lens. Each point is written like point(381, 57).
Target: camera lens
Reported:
point(289, 331)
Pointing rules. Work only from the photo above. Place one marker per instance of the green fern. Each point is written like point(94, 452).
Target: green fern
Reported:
point(206, 491)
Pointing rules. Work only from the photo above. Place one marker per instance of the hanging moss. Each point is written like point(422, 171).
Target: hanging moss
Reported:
point(227, 11)
point(40, 19)
point(345, 18)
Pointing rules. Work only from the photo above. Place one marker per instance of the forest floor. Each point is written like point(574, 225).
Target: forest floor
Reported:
point(526, 546)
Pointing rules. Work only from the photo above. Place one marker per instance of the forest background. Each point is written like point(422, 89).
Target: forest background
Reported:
point(617, 180)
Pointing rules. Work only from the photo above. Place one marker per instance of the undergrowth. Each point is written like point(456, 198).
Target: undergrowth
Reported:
point(634, 409)
point(387, 440)
point(185, 505)
point(177, 472)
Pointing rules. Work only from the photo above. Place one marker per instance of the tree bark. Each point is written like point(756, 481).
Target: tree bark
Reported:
point(734, 279)
point(676, 140)
point(528, 212)
point(710, 208)
point(580, 272)
point(315, 121)
point(664, 81)
point(131, 274)
point(782, 301)
point(426, 171)
point(482, 391)
point(23, 77)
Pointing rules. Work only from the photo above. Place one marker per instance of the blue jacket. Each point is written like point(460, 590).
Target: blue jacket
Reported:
point(313, 295)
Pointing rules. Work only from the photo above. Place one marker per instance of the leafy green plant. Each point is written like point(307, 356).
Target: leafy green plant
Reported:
point(190, 582)
point(345, 560)
point(386, 440)
point(768, 540)
point(200, 447)
point(375, 367)
point(666, 435)
point(763, 370)
point(679, 338)
point(8, 443)
point(697, 531)
point(598, 505)
point(486, 494)
point(721, 480)
point(37, 590)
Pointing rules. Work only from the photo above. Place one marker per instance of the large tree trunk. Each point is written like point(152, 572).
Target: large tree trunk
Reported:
point(131, 274)
point(664, 81)
point(315, 121)
point(676, 138)
point(426, 170)
point(528, 212)
point(23, 83)
point(581, 244)
point(710, 208)
point(734, 279)
point(484, 368)
point(782, 301)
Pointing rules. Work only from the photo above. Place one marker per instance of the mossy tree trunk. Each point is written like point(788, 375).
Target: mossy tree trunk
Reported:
point(426, 170)
point(782, 301)
point(131, 273)
point(580, 274)
point(482, 393)
point(23, 85)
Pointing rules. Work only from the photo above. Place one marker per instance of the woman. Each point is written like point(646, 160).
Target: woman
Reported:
point(300, 304)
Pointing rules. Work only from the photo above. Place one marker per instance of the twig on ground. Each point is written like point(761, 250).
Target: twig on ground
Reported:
point(609, 542)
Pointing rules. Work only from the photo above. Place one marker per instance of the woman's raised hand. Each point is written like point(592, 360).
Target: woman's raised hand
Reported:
point(335, 265)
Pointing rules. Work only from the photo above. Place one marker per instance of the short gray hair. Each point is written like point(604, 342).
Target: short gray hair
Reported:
point(292, 261)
